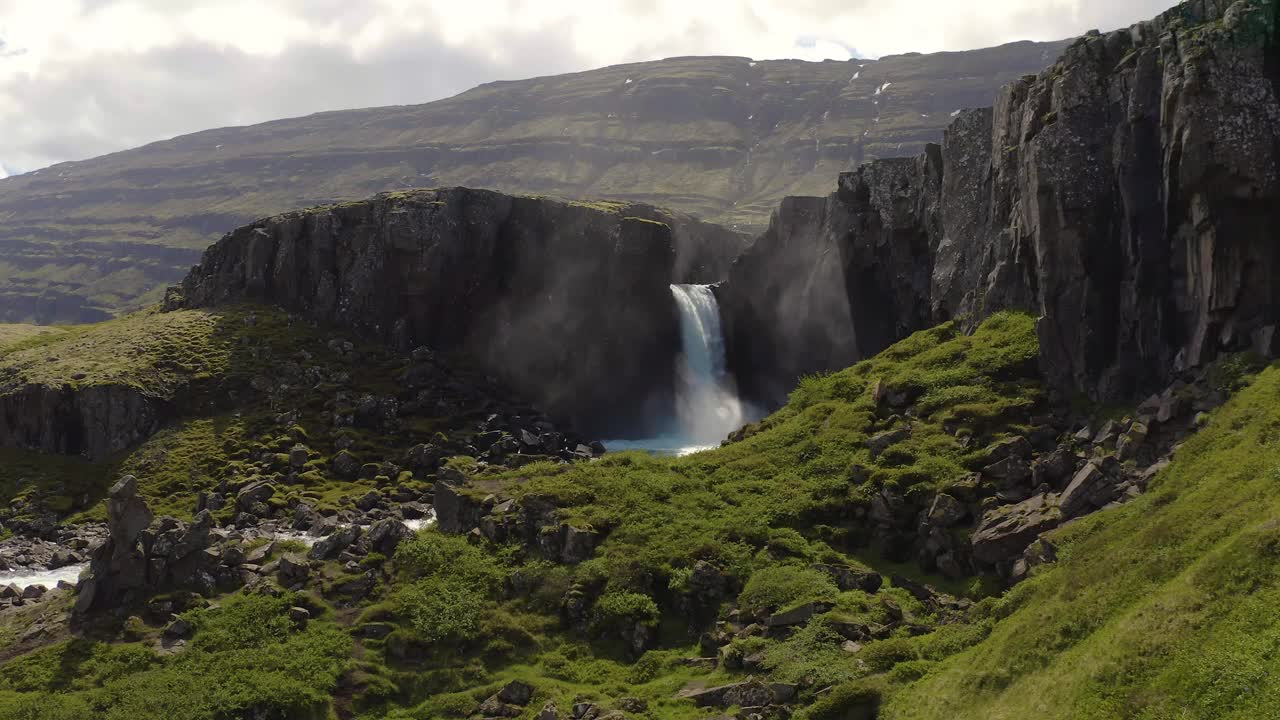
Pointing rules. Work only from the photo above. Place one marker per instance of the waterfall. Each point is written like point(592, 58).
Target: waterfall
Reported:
point(707, 404)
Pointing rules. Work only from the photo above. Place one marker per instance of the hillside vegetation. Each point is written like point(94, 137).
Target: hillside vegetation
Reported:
point(1164, 608)
point(762, 553)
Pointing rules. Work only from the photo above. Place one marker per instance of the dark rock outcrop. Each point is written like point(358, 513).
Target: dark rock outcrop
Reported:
point(568, 304)
point(1126, 196)
point(92, 421)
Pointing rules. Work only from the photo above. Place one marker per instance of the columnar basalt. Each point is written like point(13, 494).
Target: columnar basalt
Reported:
point(567, 303)
point(1125, 195)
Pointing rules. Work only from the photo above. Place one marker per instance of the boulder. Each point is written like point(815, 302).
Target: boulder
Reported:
point(345, 465)
point(516, 692)
point(848, 578)
point(751, 693)
point(798, 615)
point(292, 570)
point(1004, 532)
point(254, 494)
point(369, 501)
point(298, 456)
point(1094, 485)
point(329, 547)
point(1132, 441)
point(1009, 471)
point(946, 511)
point(386, 535)
point(127, 514)
point(457, 510)
point(882, 441)
point(180, 628)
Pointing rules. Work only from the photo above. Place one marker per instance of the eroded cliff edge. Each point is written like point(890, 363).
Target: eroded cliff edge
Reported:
point(1127, 195)
point(567, 303)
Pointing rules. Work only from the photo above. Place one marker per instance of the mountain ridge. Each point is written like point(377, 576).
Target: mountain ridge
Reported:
point(719, 137)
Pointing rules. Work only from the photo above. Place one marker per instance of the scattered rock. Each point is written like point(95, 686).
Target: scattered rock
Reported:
point(798, 615)
point(880, 442)
point(1004, 532)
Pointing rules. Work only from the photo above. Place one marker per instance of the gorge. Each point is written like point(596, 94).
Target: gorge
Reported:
point(987, 432)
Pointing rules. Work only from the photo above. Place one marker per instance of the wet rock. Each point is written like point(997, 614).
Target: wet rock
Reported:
point(329, 547)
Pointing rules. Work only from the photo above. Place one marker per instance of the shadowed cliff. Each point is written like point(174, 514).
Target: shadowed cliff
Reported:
point(1127, 195)
point(568, 303)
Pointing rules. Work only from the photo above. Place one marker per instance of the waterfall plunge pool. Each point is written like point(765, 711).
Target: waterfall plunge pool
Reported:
point(707, 404)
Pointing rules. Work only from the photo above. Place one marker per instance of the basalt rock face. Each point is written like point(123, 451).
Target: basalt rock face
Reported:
point(1127, 195)
point(833, 278)
point(568, 304)
point(91, 421)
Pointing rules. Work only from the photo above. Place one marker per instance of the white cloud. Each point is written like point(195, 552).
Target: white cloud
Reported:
point(83, 77)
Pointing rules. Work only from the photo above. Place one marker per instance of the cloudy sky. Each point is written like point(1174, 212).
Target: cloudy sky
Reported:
point(79, 78)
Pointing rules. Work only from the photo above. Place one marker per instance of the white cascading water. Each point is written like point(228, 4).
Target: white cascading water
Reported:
point(707, 403)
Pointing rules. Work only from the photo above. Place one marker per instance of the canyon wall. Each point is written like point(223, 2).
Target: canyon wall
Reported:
point(567, 303)
point(1128, 196)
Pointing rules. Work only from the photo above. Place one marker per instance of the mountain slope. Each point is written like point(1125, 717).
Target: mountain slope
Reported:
point(1165, 608)
point(724, 138)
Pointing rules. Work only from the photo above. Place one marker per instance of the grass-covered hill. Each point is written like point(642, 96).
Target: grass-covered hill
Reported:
point(783, 569)
point(1168, 607)
point(196, 400)
point(723, 138)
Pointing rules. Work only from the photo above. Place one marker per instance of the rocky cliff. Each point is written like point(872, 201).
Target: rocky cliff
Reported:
point(567, 303)
point(92, 421)
point(1126, 195)
point(722, 137)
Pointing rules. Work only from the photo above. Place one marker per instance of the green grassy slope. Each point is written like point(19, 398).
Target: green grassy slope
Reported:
point(1166, 608)
point(808, 467)
point(1162, 608)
